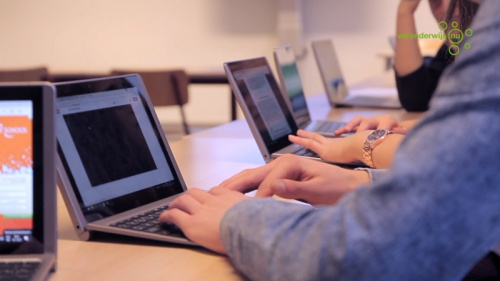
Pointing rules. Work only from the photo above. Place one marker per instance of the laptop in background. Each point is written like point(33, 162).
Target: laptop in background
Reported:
point(265, 109)
point(392, 42)
point(116, 170)
point(28, 215)
point(292, 90)
point(336, 88)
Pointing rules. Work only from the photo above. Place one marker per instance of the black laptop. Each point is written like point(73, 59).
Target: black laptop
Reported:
point(28, 223)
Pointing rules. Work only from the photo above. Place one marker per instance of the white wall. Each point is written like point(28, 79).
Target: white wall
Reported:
point(96, 36)
point(86, 35)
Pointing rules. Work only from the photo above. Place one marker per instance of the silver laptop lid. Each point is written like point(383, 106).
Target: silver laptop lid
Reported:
point(329, 68)
point(262, 103)
point(112, 153)
point(28, 224)
point(291, 85)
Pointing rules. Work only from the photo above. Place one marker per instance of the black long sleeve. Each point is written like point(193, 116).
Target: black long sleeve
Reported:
point(415, 89)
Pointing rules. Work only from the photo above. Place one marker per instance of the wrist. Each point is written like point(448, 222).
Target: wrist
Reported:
point(406, 9)
point(356, 143)
point(357, 178)
point(373, 140)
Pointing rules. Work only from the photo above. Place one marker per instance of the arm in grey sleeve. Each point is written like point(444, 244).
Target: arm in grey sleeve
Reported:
point(435, 214)
point(375, 174)
point(420, 223)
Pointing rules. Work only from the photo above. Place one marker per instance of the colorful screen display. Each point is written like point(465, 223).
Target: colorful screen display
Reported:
point(16, 171)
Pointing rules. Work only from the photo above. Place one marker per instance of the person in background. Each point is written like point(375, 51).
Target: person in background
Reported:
point(415, 79)
point(431, 218)
point(415, 88)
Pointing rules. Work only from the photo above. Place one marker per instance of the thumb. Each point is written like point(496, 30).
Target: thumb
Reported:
point(287, 189)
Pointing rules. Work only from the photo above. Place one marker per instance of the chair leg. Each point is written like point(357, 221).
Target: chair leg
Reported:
point(184, 122)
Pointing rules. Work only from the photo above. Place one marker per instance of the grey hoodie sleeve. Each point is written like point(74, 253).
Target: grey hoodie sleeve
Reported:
point(375, 174)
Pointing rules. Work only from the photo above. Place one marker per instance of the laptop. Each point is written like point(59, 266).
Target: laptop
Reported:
point(28, 215)
point(336, 88)
point(265, 109)
point(291, 86)
point(116, 170)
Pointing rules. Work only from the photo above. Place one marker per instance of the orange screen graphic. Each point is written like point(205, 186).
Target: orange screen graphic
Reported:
point(15, 144)
point(15, 223)
point(16, 171)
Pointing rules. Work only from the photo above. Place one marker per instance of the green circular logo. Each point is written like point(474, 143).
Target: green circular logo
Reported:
point(455, 36)
point(441, 27)
point(454, 50)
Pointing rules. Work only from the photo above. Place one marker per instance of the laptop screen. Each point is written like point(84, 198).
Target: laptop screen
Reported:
point(111, 146)
point(21, 173)
point(291, 84)
point(329, 67)
point(261, 95)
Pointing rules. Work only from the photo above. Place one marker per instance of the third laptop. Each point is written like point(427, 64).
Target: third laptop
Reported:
point(336, 88)
point(288, 74)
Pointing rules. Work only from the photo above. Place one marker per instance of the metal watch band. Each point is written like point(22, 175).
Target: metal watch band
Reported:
point(369, 145)
point(367, 153)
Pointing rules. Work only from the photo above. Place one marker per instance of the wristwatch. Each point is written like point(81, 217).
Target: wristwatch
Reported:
point(372, 140)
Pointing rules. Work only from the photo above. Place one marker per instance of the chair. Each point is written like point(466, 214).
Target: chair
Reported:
point(73, 76)
point(28, 74)
point(165, 87)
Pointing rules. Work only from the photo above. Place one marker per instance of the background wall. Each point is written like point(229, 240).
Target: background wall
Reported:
point(96, 36)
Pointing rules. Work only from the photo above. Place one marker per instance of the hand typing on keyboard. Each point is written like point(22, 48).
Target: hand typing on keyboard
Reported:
point(329, 149)
point(148, 222)
point(386, 121)
point(198, 213)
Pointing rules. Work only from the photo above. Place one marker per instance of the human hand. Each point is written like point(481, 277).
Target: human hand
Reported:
point(198, 214)
point(360, 123)
point(330, 149)
point(295, 177)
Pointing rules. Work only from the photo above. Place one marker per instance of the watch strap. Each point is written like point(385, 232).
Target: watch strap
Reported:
point(369, 145)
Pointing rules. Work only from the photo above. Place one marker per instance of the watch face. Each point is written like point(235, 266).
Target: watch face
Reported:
point(377, 134)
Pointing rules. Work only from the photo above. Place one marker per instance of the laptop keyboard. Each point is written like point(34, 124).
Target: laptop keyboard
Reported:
point(327, 126)
point(148, 222)
point(18, 270)
point(306, 152)
point(380, 101)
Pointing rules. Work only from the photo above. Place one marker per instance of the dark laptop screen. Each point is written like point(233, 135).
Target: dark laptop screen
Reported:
point(111, 147)
point(21, 173)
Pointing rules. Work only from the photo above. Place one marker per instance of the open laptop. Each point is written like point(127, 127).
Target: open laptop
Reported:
point(291, 85)
point(336, 88)
point(116, 170)
point(28, 215)
point(265, 109)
